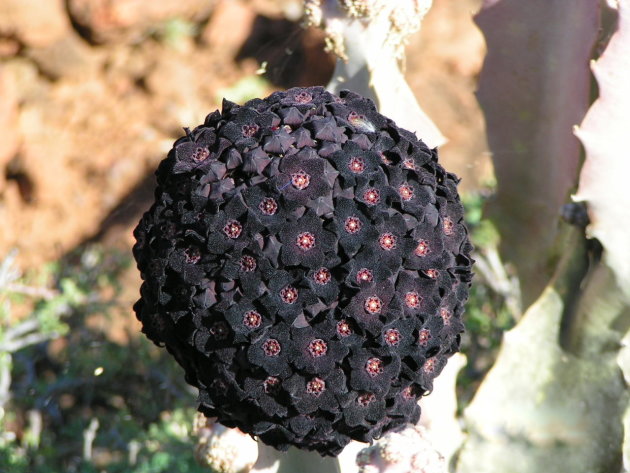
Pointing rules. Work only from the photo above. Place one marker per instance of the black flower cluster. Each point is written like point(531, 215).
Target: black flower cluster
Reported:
point(307, 263)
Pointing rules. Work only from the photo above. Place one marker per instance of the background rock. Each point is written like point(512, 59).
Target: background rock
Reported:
point(34, 22)
point(131, 20)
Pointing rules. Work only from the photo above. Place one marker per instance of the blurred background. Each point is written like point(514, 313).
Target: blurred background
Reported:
point(92, 95)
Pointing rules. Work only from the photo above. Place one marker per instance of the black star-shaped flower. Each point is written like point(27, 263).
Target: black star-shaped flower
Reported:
point(250, 268)
point(373, 370)
point(351, 226)
point(374, 196)
point(431, 368)
point(302, 177)
point(355, 163)
point(391, 242)
point(229, 228)
point(398, 337)
point(247, 319)
point(362, 408)
point(265, 391)
point(326, 129)
point(374, 305)
point(427, 249)
point(279, 142)
point(367, 268)
point(323, 283)
point(310, 393)
point(304, 241)
point(190, 154)
point(266, 207)
point(406, 402)
point(271, 350)
point(418, 295)
point(285, 297)
point(315, 351)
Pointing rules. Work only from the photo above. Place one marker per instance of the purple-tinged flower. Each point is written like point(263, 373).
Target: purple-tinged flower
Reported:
point(391, 243)
point(247, 320)
point(265, 392)
point(355, 164)
point(323, 283)
point(304, 241)
point(351, 226)
point(306, 263)
point(191, 154)
point(303, 177)
point(398, 336)
point(266, 207)
point(367, 268)
point(373, 370)
point(363, 408)
point(286, 297)
point(326, 129)
point(418, 295)
point(313, 392)
point(315, 351)
point(373, 306)
point(405, 404)
point(270, 351)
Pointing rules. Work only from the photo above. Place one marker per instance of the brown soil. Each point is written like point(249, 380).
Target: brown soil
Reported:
point(87, 112)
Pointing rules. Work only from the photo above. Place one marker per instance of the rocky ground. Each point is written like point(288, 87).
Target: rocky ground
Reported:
point(93, 93)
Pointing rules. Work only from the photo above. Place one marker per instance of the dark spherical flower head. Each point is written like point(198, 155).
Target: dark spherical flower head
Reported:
point(306, 263)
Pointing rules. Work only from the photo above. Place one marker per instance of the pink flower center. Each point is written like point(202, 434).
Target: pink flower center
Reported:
point(192, 255)
point(364, 275)
point(432, 273)
point(406, 192)
point(365, 399)
point(200, 154)
point(448, 226)
point(233, 229)
point(356, 165)
point(408, 393)
point(352, 225)
point(387, 241)
point(300, 180)
point(289, 295)
point(317, 348)
point(392, 337)
point(303, 97)
point(446, 315)
point(374, 367)
point(271, 347)
point(409, 164)
point(343, 329)
point(424, 336)
point(252, 319)
point(422, 249)
point(412, 299)
point(268, 206)
point(305, 241)
point(322, 276)
point(271, 385)
point(373, 305)
point(315, 387)
point(372, 196)
point(250, 130)
point(429, 365)
point(248, 264)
